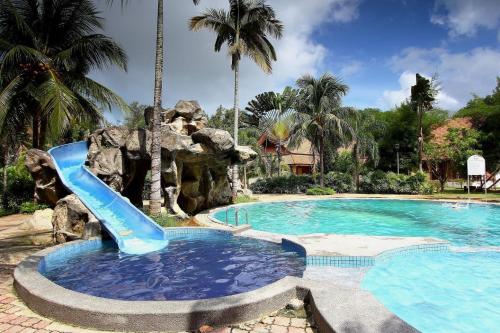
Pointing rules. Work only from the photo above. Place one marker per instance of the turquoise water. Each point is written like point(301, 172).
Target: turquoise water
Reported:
point(441, 292)
point(477, 225)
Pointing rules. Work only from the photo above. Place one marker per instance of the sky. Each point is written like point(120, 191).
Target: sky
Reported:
point(374, 46)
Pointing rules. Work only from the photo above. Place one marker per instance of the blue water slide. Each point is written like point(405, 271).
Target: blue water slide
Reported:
point(133, 231)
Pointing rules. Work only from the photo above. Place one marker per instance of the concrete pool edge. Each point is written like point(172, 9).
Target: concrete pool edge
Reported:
point(53, 301)
point(357, 307)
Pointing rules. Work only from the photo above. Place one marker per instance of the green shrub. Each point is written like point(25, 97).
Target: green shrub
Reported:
point(317, 190)
point(391, 183)
point(283, 185)
point(244, 199)
point(339, 181)
point(19, 189)
point(166, 221)
point(29, 207)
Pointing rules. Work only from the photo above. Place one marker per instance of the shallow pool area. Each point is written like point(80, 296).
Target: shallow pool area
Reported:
point(471, 225)
point(193, 266)
point(441, 292)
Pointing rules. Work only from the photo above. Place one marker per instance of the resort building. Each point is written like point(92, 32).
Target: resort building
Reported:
point(301, 159)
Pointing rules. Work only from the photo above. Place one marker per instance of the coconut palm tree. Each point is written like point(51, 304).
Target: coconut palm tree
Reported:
point(273, 114)
point(155, 196)
point(46, 52)
point(320, 114)
point(245, 28)
point(364, 143)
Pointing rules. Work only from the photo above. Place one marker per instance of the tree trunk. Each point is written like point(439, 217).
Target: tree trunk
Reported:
point(245, 179)
point(236, 119)
point(5, 165)
point(36, 129)
point(355, 171)
point(420, 137)
point(279, 157)
point(322, 160)
point(155, 197)
point(43, 133)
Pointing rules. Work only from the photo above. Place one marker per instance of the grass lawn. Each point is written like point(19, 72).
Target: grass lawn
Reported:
point(460, 194)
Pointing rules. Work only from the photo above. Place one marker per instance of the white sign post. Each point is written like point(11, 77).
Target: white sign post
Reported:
point(476, 166)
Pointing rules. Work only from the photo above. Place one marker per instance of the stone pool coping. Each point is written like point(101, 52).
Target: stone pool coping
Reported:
point(339, 250)
point(335, 308)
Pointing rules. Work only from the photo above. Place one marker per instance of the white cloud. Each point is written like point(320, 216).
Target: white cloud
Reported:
point(194, 71)
point(351, 68)
point(465, 17)
point(392, 98)
point(460, 74)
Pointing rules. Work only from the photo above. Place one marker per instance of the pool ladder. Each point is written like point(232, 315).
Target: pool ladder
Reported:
point(237, 215)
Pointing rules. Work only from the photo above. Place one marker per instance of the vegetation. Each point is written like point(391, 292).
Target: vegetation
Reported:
point(46, 54)
point(166, 220)
point(18, 188)
point(244, 199)
point(320, 114)
point(458, 145)
point(390, 183)
point(135, 117)
point(317, 190)
point(422, 97)
point(30, 207)
point(283, 185)
point(245, 29)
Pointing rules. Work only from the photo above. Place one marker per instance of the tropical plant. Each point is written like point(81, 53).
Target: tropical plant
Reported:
point(135, 117)
point(272, 113)
point(423, 94)
point(458, 145)
point(47, 49)
point(245, 29)
point(320, 114)
point(364, 144)
point(155, 196)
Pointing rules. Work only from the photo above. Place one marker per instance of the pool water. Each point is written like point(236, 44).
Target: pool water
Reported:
point(477, 225)
point(191, 267)
point(441, 292)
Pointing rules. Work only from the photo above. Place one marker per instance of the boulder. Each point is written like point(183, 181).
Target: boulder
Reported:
point(39, 227)
point(194, 175)
point(72, 220)
point(48, 187)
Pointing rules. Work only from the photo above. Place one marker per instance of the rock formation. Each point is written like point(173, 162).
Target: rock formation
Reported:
point(195, 162)
point(48, 186)
point(72, 220)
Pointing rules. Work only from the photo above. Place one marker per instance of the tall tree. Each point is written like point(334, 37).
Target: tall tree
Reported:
point(364, 144)
point(320, 113)
point(155, 196)
point(273, 114)
point(245, 29)
point(47, 50)
point(422, 97)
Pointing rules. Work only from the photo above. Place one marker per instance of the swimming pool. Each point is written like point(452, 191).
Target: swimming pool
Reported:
point(193, 266)
point(477, 225)
point(441, 292)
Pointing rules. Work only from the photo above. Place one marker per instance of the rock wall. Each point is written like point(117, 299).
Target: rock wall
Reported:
point(195, 162)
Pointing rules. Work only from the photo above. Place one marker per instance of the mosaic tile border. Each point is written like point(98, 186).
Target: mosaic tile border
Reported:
point(365, 261)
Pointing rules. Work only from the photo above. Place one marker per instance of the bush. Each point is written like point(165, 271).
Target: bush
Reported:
point(29, 207)
point(283, 185)
point(391, 183)
point(166, 221)
point(19, 189)
point(339, 181)
point(244, 199)
point(317, 190)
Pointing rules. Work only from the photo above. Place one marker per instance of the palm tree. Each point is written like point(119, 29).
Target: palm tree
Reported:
point(272, 113)
point(245, 29)
point(46, 52)
point(155, 196)
point(364, 144)
point(320, 114)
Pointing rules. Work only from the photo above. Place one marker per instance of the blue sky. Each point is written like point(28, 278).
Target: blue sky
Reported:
point(375, 46)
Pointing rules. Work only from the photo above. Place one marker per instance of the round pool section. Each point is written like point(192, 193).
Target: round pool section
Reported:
point(441, 292)
point(462, 225)
point(193, 266)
